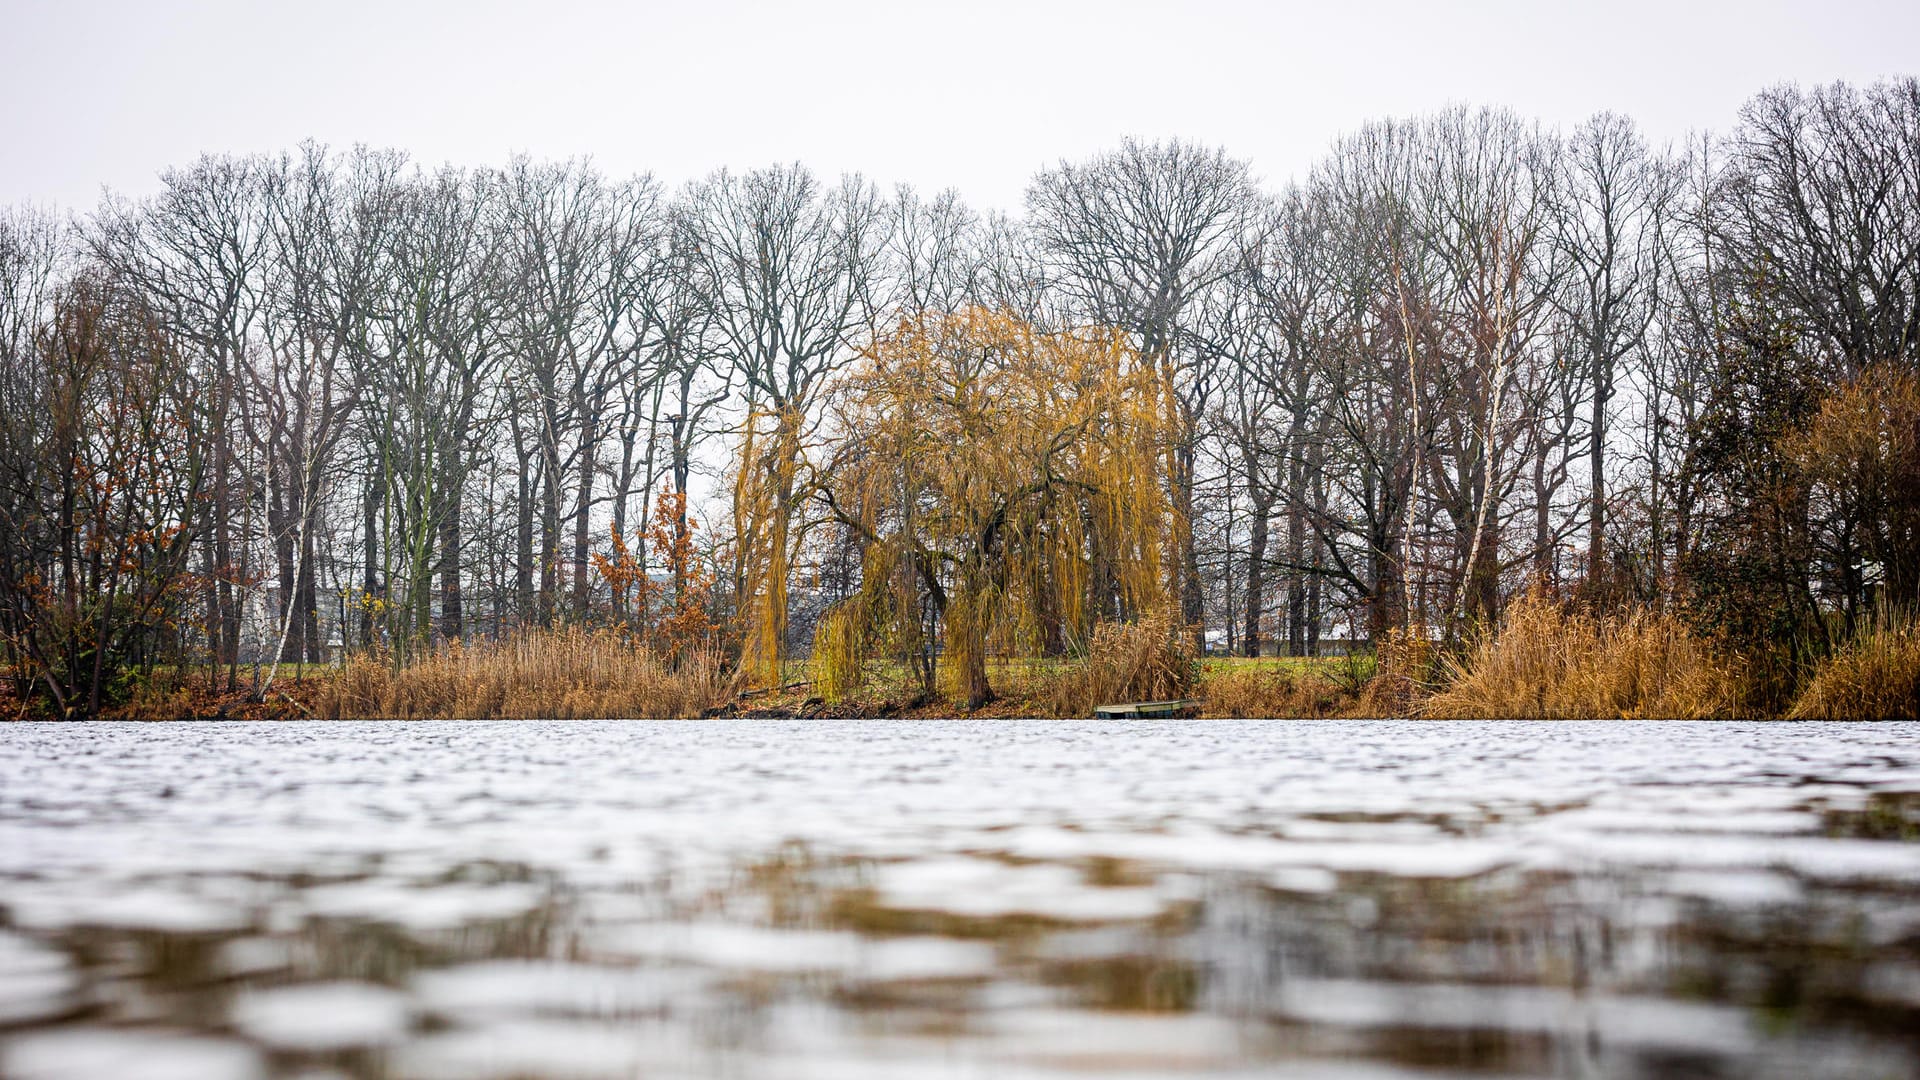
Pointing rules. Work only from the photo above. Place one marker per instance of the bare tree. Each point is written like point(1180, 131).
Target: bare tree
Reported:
point(1612, 206)
point(1824, 193)
point(195, 252)
point(788, 272)
point(1136, 235)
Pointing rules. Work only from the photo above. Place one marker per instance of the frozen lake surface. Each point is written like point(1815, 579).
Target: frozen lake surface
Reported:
point(913, 900)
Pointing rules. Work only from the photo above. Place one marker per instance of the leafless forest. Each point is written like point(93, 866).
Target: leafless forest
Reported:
point(337, 401)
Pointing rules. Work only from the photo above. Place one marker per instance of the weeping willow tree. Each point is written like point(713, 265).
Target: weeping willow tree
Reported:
point(763, 495)
point(1006, 485)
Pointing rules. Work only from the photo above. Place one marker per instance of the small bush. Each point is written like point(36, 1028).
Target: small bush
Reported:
point(1875, 677)
point(1551, 664)
point(560, 674)
point(166, 694)
point(1148, 660)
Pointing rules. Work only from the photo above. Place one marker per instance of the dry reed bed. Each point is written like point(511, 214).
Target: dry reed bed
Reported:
point(1261, 693)
point(567, 674)
point(1148, 660)
point(1876, 677)
point(1547, 663)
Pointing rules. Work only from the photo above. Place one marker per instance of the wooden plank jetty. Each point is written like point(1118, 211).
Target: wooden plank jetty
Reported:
point(1138, 709)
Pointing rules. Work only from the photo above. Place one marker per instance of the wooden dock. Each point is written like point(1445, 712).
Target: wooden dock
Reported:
point(1139, 709)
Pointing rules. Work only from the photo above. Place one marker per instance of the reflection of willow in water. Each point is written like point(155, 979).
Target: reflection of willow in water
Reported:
point(312, 930)
point(1502, 971)
point(1563, 973)
point(1510, 970)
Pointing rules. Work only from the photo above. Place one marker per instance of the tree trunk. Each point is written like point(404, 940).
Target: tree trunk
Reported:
point(582, 514)
point(370, 578)
point(523, 541)
point(452, 612)
point(1256, 576)
point(1597, 520)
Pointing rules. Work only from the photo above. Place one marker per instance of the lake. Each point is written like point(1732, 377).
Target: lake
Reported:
point(892, 899)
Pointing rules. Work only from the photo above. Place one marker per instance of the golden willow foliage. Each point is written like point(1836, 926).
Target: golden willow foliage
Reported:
point(1007, 483)
point(764, 496)
point(1861, 454)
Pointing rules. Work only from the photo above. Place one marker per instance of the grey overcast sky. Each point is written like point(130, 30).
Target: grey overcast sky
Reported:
point(975, 96)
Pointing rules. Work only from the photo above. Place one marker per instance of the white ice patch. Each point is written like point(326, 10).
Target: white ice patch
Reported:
point(531, 987)
point(1624, 1020)
point(1096, 1042)
point(141, 908)
point(321, 1017)
point(1304, 879)
point(729, 947)
point(97, 1053)
point(1686, 820)
point(740, 948)
point(1437, 856)
point(1736, 888)
point(912, 958)
point(560, 1050)
point(35, 982)
point(421, 908)
point(1816, 858)
point(982, 888)
point(1317, 829)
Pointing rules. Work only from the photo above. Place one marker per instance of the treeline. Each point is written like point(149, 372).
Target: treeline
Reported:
point(338, 400)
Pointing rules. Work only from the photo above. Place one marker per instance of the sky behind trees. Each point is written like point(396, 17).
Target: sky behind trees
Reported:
point(976, 96)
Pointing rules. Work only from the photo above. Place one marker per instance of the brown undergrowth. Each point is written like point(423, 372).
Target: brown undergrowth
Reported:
point(1406, 670)
point(190, 693)
point(1546, 662)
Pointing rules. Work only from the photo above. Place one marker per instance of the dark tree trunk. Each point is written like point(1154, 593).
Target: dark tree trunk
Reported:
point(582, 530)
point(1256, 577)
point(523, 540)
point(452, 607)
point(370, 578)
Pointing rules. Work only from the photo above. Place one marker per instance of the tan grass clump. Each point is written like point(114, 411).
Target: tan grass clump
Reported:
point(1874, 678)
point(1405, 663)
point(567, 674)
point(1550, 664)
point(1148, 660)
